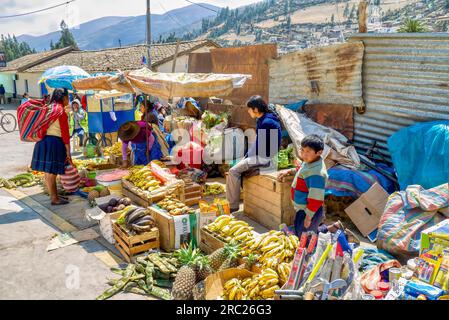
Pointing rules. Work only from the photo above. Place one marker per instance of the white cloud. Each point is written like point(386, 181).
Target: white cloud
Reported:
point(48, 21)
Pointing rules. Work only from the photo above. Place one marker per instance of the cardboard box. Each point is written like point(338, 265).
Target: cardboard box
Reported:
point(215, 282)
point(366, 211)
point(175, 230)
point(439, 233)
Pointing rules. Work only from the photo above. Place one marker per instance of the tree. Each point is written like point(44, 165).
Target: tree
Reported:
point(333, 19)
point(13, 48)
point(66, 38)
point(412, 26)
point(289, 23)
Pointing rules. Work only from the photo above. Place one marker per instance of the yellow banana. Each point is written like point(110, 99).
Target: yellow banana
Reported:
point(242, 236)
point(231, 283)
point(232, 293)
point(239, 230)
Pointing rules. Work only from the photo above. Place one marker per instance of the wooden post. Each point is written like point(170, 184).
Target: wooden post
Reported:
point(173, 69)
point(362, 16)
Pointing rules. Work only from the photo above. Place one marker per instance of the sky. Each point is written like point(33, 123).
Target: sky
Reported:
point(82, 11)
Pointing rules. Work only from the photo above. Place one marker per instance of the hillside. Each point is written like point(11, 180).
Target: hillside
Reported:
point(301, 24)
point(107, 31)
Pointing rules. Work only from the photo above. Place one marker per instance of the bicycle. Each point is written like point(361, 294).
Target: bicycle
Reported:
point(7, 121)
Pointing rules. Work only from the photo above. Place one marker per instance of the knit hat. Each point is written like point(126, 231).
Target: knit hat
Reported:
point(75, 101)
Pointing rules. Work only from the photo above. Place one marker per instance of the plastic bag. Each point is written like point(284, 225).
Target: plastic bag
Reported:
point(71, 179)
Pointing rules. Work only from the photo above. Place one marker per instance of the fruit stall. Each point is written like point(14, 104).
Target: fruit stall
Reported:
point(170, 223)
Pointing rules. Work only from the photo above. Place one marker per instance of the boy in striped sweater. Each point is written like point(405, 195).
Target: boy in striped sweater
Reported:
point(308, 187)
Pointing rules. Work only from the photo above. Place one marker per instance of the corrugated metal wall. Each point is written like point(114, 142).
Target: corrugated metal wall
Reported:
point(405, 80)
point(329, 74)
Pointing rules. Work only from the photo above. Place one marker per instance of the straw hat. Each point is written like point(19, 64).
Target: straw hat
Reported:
point(128, 131)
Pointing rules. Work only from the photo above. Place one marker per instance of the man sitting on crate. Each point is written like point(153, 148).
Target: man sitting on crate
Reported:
point(261, 154)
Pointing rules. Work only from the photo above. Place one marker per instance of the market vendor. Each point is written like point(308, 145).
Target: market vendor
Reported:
point(144, 144)
point(260, 154)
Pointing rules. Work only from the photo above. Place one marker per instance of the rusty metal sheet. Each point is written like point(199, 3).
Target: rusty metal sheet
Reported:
point(200, 62)
point(405, 81)
point(331, 74)
point(239, 115)
point(251, 60)
point(336, 116)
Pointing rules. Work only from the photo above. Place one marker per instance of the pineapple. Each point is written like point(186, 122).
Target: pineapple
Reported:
point(184, 282)
point(199, 291)
point(232, 259)
point(202, 267)
point(250, 260)
point(218, 257)
point(187, 276)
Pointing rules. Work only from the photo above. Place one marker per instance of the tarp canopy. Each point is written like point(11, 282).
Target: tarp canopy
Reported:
point(62, 76)
point(166, 85)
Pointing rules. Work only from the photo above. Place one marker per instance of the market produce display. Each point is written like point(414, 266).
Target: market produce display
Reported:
point(174, 207)
point(213, 189)
point(25, 180)
point(227, 228)
point(150, 275)
point(260, 286)
point(135, 219)
point(272, 248)
point(85, 163)
point(285, 158)
point(195, 268)
point(211, 120)
point(97, 192)
point(115, 205)
point(115, 149)
point(143, 178)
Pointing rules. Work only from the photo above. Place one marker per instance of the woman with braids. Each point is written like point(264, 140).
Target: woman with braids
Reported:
point(53, 152)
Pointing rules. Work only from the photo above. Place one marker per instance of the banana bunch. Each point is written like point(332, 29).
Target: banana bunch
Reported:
point(115, 149)
point(143, 178)
point(229, 228)
point(284, 270)
point(260, 286)
point(273, 248)
point(174, 206)
point(234, 289)
point(213, 189)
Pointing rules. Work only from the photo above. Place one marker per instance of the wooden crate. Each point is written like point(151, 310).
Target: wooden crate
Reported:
point(132, 246)
point(192, 194)
point(128, 190)
point(166, 225)
point(209, 242)
point(268, 201)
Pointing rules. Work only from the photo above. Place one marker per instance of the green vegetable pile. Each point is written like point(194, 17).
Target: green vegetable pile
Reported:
point(150, 275)
point(285, 158)
point(211, 120)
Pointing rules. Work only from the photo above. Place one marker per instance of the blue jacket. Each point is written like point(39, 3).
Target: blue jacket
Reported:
point(265, 124)
point(2, 90)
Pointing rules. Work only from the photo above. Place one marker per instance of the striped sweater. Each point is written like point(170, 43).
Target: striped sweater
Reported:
point(308, 187)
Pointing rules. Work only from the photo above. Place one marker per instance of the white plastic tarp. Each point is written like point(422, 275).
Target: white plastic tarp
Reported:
point(336, 149)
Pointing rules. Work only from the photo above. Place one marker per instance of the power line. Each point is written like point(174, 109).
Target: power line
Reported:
point(36, 11)
point(170, 16)
point(202, 6)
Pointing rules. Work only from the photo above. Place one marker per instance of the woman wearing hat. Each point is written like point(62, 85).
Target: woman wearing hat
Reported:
point(144, 144)
point(78, 121)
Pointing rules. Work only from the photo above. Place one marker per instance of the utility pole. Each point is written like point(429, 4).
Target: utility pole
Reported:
point(148, 34)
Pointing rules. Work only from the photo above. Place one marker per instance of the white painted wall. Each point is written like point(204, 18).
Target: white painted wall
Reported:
point(7, 80)
point(182, 63)
point(34, 89)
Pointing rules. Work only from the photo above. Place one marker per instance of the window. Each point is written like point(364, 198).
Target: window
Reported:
point(26, 87)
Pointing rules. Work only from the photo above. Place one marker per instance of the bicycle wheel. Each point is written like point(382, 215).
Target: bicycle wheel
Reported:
point(8, 122)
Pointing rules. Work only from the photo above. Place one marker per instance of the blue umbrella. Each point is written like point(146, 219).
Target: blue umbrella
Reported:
point(63, 76)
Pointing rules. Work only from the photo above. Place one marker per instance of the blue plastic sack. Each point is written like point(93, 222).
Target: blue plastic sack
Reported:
point(420, 154)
